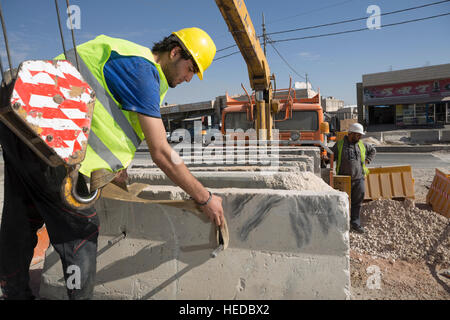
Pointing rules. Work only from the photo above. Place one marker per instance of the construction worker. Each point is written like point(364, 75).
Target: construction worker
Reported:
point(130, 82)
point(352, 156)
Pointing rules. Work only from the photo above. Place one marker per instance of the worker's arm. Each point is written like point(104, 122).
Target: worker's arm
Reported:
point(170, 163)
point(334, 150)
point(370, 152)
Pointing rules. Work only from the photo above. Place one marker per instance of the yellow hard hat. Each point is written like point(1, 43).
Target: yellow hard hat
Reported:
point(200, 46)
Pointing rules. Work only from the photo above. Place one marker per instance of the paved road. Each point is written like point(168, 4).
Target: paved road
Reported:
point(416, 160)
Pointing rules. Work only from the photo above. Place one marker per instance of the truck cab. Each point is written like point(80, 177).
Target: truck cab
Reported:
point(296, 119)
point(299, 121)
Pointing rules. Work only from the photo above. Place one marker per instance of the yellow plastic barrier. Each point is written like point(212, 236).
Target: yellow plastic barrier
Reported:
point(389, 183)
point(340, 135)
point(438, 195)
point(344, 184)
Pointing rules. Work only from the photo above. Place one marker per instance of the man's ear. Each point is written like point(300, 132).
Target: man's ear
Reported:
point(175, 52)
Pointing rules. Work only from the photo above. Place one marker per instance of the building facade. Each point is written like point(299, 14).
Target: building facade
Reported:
point(415, 97)
point(331, 104)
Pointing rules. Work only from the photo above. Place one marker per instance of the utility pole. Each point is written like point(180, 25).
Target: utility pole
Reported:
point(307, 89)
point(264, 34)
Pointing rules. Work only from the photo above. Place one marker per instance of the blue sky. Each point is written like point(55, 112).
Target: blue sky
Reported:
point(334, 64)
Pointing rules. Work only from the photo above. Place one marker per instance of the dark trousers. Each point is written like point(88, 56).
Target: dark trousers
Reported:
point(357, 198)
point(32, 198)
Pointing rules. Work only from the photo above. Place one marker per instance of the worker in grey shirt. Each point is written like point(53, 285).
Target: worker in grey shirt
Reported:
point(351, 156)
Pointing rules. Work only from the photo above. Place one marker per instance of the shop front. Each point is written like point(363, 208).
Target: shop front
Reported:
point(420, 103)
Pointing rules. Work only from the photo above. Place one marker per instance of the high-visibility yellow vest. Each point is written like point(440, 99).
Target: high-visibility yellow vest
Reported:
point(115, 133)
point(362, 149)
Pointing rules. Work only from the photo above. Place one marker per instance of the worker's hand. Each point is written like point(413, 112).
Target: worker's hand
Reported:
point(214, 210)
point(121, 176)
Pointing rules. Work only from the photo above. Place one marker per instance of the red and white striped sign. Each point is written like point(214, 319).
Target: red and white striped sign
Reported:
point(54, 101)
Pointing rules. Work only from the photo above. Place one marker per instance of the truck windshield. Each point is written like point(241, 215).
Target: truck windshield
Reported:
point(301, 121)
point(237, 120)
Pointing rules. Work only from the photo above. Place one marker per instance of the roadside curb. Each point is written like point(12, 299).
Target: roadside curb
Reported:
point(412, 149)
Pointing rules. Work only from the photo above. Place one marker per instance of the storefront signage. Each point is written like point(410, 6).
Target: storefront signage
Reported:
point(423, 89)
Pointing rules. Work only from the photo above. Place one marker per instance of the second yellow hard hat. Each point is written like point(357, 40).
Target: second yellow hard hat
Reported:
point(200, 46)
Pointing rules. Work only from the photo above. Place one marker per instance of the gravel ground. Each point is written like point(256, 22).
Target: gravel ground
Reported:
point(406, 244)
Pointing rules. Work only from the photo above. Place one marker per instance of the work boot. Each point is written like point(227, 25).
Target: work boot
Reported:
point(357, 228)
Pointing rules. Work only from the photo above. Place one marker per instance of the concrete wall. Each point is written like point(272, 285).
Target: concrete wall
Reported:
point(284, 244)
point(412, 136)
point(376, 135)
point(445, 136)
point(425, 136)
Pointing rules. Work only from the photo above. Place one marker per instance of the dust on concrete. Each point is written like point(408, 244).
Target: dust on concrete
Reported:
point(301, 181)
point(373, 141)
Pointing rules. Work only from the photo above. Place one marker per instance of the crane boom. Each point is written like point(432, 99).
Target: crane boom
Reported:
point(241, 27)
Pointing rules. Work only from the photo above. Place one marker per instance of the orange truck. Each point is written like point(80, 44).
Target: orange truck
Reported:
point(299, 121)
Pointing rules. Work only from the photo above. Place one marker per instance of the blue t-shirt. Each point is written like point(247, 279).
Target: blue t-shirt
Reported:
point(134, 83)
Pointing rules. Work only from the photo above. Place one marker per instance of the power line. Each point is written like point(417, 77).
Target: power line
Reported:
point(344, 32)
point(276, 50)
point(358, 19)
point(226, 55)
point(344, 21)
point(282, 58)
point(362, 29)
point(308, 12)
point(234, 45)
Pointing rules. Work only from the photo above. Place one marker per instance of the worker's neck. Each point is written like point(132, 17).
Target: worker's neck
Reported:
point(157, 58)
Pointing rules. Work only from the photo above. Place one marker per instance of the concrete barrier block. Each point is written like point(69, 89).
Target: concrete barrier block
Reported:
point(306, 158)
point(248, 179)
point(445, 136)
point(376, 135)
point(398, 137)
point(283, 245)
point(425, 136)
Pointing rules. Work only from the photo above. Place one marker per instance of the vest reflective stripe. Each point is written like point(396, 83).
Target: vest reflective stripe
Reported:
point(362, 150)
point(105, 99)
point(99, 147)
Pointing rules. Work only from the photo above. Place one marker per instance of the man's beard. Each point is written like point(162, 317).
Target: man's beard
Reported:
point(169, 72)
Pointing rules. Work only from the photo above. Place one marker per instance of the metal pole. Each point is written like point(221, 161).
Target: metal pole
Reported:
point(434, 114)
point(117, 239)
point(6, 43)
point(264, 34)
point(60, 28)
point(73, 36)
point(1, 70)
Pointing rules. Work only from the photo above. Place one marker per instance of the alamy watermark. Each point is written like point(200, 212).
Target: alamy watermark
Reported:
point(74, 20)
point(236, 147)
point(74, 278)
point(374, 20)
point(374, 280)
